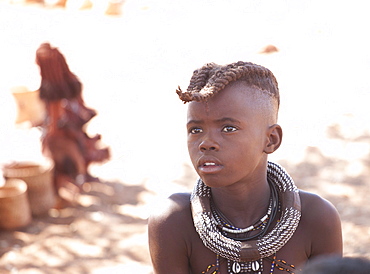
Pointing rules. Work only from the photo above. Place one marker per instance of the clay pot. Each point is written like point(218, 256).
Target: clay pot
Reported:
point(15, 210)
point(39, 180)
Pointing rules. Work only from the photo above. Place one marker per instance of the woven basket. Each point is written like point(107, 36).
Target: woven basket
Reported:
point(15, 209)
point(39, 181)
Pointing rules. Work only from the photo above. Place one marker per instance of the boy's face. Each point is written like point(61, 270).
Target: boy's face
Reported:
point(228, 135)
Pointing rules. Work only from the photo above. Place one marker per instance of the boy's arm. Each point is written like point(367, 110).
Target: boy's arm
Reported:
point(325, 225)
point(167, 230)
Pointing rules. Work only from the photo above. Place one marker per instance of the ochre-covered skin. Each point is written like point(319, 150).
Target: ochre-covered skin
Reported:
point(65, 140)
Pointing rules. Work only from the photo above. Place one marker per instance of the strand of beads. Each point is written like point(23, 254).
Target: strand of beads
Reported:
point(228, 227)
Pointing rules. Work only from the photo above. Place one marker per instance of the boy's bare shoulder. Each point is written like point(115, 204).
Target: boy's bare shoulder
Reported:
point(320, 223)
point(171, 210)
point(171, 230)
point(315, 206)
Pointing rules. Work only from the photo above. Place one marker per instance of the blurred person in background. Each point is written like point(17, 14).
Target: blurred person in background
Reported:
point(64, 138)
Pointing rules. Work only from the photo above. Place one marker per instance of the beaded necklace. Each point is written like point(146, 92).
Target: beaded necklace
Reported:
point(262, 224)
point(251, 250)
point(230, 231)
point(227, 227)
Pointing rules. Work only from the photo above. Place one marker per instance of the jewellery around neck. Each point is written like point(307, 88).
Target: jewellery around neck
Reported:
point(250, 250)
point(228, 227)
point(263, 224)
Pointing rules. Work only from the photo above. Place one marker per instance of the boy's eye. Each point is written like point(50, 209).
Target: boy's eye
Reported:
point(195, 130)
point(229, 129)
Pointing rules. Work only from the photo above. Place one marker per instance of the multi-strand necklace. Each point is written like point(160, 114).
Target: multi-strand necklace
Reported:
point(245, 253)
point(229, 230)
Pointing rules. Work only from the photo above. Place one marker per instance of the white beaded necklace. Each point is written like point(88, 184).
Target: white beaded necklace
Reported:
point(231, 229)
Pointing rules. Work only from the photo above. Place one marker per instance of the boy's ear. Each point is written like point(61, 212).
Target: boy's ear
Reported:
point(275, 136)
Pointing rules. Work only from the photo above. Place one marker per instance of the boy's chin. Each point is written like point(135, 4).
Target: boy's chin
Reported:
point(212, 183)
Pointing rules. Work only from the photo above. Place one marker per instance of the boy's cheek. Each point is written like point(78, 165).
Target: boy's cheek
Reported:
point(192, 145)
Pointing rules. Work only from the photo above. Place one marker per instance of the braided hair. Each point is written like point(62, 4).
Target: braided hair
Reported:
point(212, 78)
point(57, 81)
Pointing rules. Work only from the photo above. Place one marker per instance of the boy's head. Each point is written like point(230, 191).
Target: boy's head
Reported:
point(231, 121)
point(211, 79)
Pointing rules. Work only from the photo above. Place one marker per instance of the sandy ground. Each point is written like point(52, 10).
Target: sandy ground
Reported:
point(130, 66)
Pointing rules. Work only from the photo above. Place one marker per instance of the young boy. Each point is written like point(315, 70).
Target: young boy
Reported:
point(245, 215)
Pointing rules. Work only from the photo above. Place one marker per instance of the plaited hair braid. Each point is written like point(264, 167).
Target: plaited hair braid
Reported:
point(212, 78)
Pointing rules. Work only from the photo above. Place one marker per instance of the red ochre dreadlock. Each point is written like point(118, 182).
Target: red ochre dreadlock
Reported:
point(57, 82)
point(212, 78)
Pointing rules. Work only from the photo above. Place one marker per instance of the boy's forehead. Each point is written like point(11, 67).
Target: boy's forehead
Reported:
point(228, 101)
point(234, 93)
point(237, 101)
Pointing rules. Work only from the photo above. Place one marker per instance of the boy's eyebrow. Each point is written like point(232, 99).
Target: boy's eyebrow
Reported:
point(222, 120)
point(193, 121)
point(228, 119)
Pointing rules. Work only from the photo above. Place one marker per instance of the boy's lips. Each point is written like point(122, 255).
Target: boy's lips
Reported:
point(208, 166)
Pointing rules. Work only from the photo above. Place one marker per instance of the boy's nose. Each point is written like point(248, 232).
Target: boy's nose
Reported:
point(208, 144)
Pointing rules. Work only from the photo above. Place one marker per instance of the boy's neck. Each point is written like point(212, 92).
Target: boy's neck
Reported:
point(243, 204)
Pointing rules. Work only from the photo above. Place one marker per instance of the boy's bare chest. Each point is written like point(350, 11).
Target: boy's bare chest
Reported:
point(289, 259)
